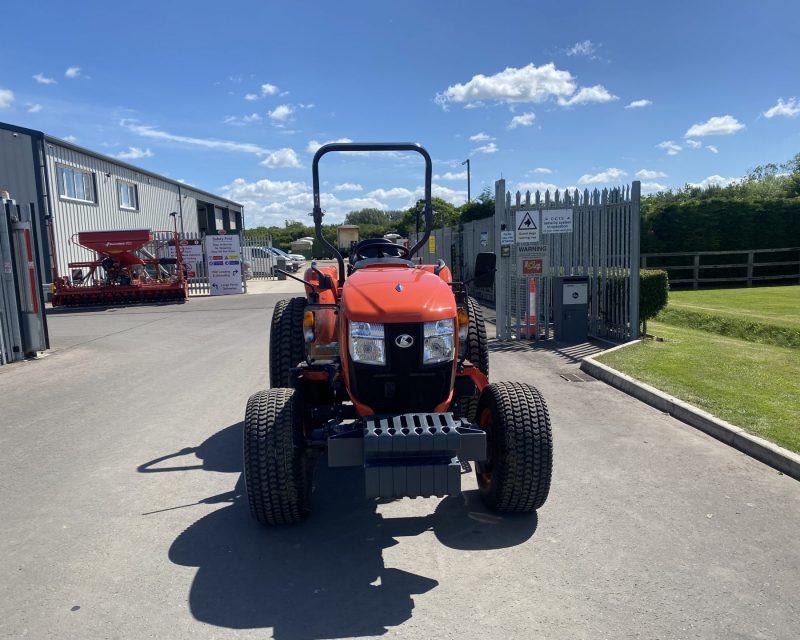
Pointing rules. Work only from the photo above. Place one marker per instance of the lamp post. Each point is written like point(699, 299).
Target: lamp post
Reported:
point(466, 162)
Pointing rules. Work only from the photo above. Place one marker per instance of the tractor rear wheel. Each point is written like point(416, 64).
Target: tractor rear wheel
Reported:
point(277, 468)
point(286, 345)
point(477, 351)
point(516, 476)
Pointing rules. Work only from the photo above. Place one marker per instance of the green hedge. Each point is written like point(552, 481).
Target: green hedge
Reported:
point(653, 294)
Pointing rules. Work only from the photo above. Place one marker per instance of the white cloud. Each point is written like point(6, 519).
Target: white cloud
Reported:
point(268, 89)
point(43, 79)
point(147, 131)
point(461, 175)
point(391, 194)
point(522, 120)
point(6, 98)
point(585, 48)
point(243, 120)
point(542, 170)
point(313, 146)
point(788, 109)
point(647, 174)
point(714, 180)
point(481, 137)
point(71, 139)
point(134, 153)
point(487, 148)
point(670, 147)
point(638, 104)
point(652, 187)
point(73, 72)
point(453, 196)
point(712, 148)
point(240, 189)
point(310, 105)
point(251, 97)
point(597, 93)
point(348, 186)
point(526, 84)
point(609, 175)
point(694, 144)
point(285, 157)
point(715, 126)
point(536, 186)
point(281, 112)
point(34, 107)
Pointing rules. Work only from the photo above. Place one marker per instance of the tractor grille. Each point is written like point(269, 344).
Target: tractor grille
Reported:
point(403, 385)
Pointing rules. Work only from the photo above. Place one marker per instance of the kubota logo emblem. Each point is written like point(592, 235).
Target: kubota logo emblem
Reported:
point(404, 341)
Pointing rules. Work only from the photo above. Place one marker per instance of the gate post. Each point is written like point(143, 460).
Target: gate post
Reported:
point(502, 274)
point(636, 192)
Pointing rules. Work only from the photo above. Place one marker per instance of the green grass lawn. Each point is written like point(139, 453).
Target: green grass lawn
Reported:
point(768, 315)
point(769, 305)
point(754, 386)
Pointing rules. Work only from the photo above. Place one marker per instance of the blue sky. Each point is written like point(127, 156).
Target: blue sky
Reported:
point(233, 97)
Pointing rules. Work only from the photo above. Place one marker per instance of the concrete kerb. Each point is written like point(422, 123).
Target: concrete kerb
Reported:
point(777, 457)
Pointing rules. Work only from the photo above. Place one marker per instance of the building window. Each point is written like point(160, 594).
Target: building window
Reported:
point(128, 196)
point(232, 215)
point(219, 218)
point(74, 184)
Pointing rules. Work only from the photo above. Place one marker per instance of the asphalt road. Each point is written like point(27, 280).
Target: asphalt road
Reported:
point(122, 514)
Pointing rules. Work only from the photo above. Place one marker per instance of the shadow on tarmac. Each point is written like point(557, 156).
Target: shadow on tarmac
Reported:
point(326, 577)
point(572, 353)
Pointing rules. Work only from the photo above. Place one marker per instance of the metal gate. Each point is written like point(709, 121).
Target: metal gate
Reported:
point(23, 325)
point(601, 244)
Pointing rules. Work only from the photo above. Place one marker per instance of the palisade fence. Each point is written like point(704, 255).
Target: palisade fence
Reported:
point(603, 246)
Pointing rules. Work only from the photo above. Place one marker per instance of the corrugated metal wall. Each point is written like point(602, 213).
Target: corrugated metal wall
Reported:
point(17, 169)
point(156, 200)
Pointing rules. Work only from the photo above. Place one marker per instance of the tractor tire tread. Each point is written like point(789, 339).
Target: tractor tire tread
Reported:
point(278, 473)
point(522, 473)
point(286, 345)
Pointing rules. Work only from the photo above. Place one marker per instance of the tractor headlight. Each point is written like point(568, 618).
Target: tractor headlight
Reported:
point(439, 344)
point(367, 344)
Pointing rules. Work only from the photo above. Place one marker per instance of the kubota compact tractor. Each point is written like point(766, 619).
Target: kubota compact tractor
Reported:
point(385, 365)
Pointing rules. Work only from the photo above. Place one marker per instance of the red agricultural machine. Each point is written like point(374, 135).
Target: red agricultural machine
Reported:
point(127, 270)
point(384, 365)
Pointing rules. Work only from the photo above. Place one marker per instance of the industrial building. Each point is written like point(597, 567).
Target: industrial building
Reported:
point(73, 189)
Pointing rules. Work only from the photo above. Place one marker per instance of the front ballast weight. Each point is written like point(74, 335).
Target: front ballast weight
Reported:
point(409, 455)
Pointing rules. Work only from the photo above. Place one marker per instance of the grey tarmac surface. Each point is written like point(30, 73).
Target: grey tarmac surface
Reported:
point(122, 512)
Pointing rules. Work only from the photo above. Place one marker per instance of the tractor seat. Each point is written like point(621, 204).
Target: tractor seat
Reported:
point(378, 251)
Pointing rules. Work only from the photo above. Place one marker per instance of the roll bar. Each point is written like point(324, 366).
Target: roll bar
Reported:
point(370, 146)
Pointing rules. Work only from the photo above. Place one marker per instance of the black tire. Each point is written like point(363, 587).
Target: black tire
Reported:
point(286, 345)
point(516, 477)
point(277, 469)
point(477, 344)
point(477, 352)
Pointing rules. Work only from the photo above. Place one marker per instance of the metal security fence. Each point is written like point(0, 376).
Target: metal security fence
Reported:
point(601, 243)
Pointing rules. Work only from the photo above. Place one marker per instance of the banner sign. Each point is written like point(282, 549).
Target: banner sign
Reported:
point(224, 257)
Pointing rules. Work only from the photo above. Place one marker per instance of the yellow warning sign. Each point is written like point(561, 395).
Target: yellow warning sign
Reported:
point(432, 245)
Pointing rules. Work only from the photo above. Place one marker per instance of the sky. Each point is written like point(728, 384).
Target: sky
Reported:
point(235, 97)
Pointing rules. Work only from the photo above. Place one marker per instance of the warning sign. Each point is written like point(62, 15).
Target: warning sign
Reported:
point(533, 267)
point(557, 221)
point(506, 238)
point(527, 226)
point(432, 245)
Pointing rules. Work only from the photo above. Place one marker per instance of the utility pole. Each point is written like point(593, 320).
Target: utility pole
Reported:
point(466, 162)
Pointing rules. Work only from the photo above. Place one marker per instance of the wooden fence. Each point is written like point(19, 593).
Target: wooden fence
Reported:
point(709, 268)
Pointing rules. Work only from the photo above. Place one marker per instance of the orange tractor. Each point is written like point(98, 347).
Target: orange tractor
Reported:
point(384, 364)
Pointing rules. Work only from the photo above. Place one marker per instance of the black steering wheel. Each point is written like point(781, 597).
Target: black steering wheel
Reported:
point(377, 248)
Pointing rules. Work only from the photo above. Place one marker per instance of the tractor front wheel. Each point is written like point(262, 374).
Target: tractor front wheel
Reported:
point(277, 468)
point(516, 476)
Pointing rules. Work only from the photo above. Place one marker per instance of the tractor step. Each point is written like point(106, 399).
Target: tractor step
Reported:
point(409, 455)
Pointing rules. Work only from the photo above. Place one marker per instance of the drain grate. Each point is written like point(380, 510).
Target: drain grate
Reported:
point(577, 377)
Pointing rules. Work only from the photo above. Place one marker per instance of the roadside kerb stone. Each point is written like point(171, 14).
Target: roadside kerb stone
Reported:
point(767, 452)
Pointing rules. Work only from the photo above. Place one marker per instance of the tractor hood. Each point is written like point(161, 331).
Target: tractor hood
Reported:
point(395, 293)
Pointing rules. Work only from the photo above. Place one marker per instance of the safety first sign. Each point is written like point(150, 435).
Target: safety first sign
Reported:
point(224, 264)
point(527, 226)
